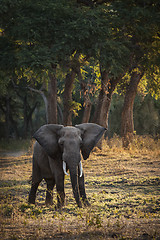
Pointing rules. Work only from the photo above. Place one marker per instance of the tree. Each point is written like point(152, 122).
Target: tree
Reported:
point(142, 29)
point(67, 98)
point(7, 108)
point(39, 40)
point(17, 106)
point(45, 36)
point(127, 125)
point(104, 100)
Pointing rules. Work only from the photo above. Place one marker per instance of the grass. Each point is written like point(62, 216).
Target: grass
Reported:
point(123, 187)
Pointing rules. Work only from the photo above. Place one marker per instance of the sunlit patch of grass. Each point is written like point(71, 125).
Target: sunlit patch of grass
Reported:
point(142, 144)
point(145, 142)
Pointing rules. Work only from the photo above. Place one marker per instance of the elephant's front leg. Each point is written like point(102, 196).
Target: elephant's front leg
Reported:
point(49, 193)
point(58, 174)
point(82, 190)
point(60, 191)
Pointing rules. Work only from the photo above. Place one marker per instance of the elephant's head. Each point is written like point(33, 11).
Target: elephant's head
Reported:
point(70, 141)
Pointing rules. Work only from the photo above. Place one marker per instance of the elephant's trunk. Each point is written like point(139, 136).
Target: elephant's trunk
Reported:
point(75, 187)
point(72, 160)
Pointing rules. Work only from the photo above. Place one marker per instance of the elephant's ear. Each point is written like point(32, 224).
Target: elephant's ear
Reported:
point(91, 134)
point(47, 137)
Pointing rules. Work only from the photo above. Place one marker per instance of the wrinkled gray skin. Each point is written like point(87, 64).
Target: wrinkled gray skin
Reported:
point(57, 144)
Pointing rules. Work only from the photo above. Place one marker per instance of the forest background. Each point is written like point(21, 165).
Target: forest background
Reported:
point(74, 61)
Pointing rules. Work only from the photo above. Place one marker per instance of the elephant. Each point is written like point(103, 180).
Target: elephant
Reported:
point(58, 149)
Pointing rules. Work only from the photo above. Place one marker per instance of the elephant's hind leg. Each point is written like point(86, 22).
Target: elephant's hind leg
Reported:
point(36, 179)
point(49, 192)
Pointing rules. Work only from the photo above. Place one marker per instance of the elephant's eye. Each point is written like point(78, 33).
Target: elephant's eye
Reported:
point(61, 142)
point(81, 142)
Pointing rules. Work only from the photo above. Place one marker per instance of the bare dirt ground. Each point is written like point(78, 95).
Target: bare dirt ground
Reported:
point(123, 187)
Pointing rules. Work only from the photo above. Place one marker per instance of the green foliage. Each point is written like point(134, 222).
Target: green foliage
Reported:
point(75, 107)
point(4, 82)
point(115, 36)
point(50, 32)
point(154, 84)
point(17, 119)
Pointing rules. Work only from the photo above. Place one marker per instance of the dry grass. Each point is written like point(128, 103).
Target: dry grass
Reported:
point(123, 187)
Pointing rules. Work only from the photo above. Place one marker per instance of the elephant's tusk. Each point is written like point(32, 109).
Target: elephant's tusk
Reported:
point(64, 168)
point(80, 169)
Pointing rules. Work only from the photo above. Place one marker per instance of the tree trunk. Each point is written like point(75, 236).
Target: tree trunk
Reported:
point(14, 125)
point(52, 99)
point(7, 113)
point(25, 116)
point(29, 117)
point(45, 100)
point(87, 102)
point(27, 111)
point(67, 99)
point(60, 114)
point(104, 100)
point(127, 123)
point(87, 109)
